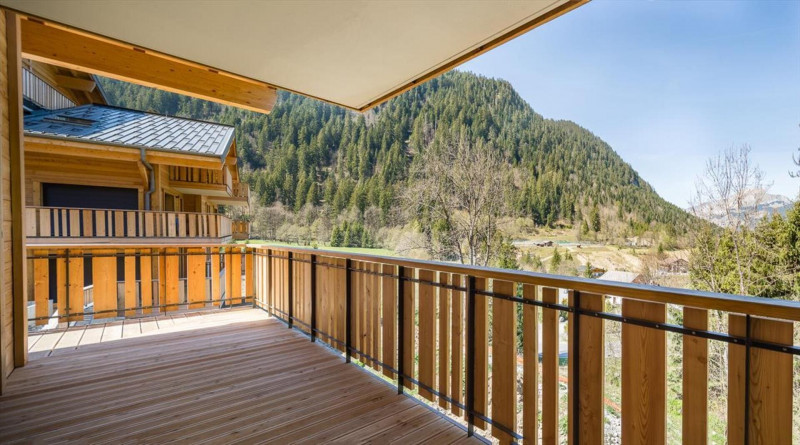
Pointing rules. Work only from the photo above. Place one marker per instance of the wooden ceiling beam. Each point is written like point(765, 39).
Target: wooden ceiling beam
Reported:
point(78, 50)
point(76, 83)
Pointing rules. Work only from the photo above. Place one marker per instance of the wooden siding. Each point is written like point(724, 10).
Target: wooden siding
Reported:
point(6, 301)
point(222, 376)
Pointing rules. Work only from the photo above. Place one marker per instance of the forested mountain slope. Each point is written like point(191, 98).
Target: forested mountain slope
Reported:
point(308, 152)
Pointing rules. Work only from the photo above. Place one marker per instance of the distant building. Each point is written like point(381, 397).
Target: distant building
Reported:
point(675, 266)
point(622, 276)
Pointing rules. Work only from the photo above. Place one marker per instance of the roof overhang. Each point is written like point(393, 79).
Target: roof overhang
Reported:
point(52, 145)
point(356, 54)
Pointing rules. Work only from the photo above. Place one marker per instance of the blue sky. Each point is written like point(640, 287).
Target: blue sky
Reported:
point(668, 84)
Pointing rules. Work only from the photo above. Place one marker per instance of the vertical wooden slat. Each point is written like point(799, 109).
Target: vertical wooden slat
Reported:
point(61, 284)
point(375, 282)
point(481, 353)
point(229, 279)
point(87, 222)
point(457, 346)
point(131, 220)
point(550, 368)
point(770, 401)
point(100, 223)
point(643, 374)
point(236, 276)
point(694, 410)
point(196, 278)
point(172, 297)
point(249, 277)
point(74, 223)
point(149, 225)
point(215, 291)
point(45, 228)
point(444, 339)
point(119, 223)
point(162, 279)
point(104, 279)
point(591, 371)
point(504, 362)
point(41, 285)
point(530, 367)
point(130, 282)
point(363, 310)
point(409, 337)
point(427, 334)
point(146, 280)
point(75, 285)
point(389, 319)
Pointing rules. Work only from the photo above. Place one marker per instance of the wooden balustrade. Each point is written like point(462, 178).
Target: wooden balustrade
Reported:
point(73, 225)
point(465, 339)
point(129, 281)
point(240, 229)
point(196, 175)
point(448, 333)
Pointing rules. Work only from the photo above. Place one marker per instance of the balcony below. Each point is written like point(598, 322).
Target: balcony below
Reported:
point(57, 226)
point(220, 376)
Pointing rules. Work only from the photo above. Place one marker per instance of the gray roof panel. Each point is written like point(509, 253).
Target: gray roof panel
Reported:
point(120, 126)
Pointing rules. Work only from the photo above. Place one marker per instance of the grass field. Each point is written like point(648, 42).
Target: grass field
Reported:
point(366, 251)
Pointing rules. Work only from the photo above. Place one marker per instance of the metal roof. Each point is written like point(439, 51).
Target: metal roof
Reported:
point(119, 126)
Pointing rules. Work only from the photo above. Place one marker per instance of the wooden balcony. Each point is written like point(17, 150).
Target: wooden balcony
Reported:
point(52, 225)
point(218, 186)
point(482, 346)
point(241, 230)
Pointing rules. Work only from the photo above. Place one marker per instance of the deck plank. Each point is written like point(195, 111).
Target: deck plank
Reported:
point(219, 376)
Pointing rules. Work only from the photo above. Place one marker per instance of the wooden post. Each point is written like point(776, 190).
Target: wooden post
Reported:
point(14, 251)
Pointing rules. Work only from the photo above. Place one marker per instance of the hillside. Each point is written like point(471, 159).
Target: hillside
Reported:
point(308, 152)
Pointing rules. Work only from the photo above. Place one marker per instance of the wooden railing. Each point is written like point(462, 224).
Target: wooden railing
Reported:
point(240, 190)
point(465, 339)
point(196, 175)
point(128, 281)
point(69, 225)
point(240, 229)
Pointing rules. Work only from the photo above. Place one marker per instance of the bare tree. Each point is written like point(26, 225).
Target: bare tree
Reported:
point(730, 193)
point(796, 173)
point(457, 193)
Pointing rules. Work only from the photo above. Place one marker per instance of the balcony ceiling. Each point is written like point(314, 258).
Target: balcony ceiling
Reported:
point(352, 53)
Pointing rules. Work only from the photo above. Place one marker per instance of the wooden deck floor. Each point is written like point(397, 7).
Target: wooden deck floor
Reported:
point(217, 377)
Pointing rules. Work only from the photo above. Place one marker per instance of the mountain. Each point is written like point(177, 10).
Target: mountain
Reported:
point(756, 205)
point(309, 152)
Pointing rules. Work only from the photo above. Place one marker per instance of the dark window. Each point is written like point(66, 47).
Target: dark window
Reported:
point(89, 197)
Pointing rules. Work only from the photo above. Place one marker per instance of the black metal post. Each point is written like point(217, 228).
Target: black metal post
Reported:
point(290, 292)
point(347, 315)
point(400, 329)
point(313, 283)
point(470, 368)
point(747, 345)
point(575, 377)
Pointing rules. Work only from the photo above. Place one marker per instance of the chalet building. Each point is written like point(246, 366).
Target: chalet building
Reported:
point(183, 337)
point(99, 173)
point(675, 266)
